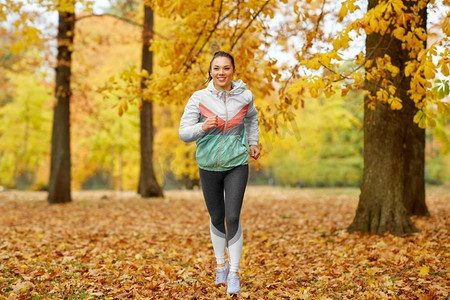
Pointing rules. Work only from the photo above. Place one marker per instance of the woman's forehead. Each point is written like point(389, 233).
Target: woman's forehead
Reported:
point(221, 61)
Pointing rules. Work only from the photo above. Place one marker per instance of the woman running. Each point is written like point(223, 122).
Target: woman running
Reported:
point(223, 121)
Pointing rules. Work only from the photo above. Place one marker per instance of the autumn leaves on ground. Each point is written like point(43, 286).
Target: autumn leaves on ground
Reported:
point(107, 245)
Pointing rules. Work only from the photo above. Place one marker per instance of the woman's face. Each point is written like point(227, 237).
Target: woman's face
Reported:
point(222, 73)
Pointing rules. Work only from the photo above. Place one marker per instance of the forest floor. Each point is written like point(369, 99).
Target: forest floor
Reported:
point(115, 245)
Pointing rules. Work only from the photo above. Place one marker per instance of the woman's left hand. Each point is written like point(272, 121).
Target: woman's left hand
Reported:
point(254, 152)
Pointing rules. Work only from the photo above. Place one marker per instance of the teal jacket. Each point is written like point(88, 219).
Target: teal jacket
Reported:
point(226, 146)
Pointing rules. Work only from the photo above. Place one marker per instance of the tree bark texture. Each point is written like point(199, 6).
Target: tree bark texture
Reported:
point(59, 185)
point(414, 196)
point(148, 186)
point(393, 177)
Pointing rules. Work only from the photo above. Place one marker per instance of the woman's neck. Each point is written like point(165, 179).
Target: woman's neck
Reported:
point(228, 88)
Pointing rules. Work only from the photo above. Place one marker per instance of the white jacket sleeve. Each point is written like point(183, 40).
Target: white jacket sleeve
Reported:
point(190, 126)
point(251, 125)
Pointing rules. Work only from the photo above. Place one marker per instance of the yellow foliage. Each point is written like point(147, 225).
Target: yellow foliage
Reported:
point(343, 11)
point(347, 7)
point(17, 47)
point(446, 25)
point(341, 41)
point(429, 70)
point(358, 78)
point(399, 33)
point(313, 63)
point(383, 26)
point(445, 68)
point(444, 62)
point(425, 118)
point(393, 69)
point(397, 6)
point(395, 102)
point(421, 34)
point(359, 60)
point(410, 68)
point(188, 32)
point(316, 84)
point(373, 25)
point(382, 95)
point(391, 89)
point(66, 6)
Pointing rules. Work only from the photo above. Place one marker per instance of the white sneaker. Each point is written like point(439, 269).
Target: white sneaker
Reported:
point(233, 285)
point(222, 274)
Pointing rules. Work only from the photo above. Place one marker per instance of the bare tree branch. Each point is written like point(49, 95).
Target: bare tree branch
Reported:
point(237, 19)
point(249, 23)
point(126, 20)
point(188, 62)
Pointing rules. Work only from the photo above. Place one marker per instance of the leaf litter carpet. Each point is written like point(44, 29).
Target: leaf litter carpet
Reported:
point(115, 245)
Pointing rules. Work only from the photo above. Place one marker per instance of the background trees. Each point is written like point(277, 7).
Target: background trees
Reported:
point(148, 186)
point(60, 180)
point(393, 180)
point(310, 98)
point(393, 185)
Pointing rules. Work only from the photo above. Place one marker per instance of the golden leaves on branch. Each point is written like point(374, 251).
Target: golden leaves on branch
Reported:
point(425, 118)
point(67, 6)
point(383, 72)
point(446, 25)
point(444, 61)
point(347, 7)
point(126, 88)
point(389, 19)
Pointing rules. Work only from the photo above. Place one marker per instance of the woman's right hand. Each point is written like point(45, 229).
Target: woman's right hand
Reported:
point(209, 123)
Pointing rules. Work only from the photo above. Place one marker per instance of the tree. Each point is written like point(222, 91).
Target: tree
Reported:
point(393, 185)
point(396, 73)
point(148, 186)
point(102, 143)
point(24, 151)
point(414, 150)
point(127, 11)
point(59, 184)
point(183, 53)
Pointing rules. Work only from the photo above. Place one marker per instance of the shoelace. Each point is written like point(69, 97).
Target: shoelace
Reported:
point(233, 279)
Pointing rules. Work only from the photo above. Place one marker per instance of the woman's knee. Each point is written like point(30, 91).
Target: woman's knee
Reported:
point(217, 219)
point(233, 219)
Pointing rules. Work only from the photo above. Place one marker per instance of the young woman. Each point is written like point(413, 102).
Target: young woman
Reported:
point(223, 121)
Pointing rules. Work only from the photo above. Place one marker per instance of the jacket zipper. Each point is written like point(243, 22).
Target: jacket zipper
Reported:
point(224, 129)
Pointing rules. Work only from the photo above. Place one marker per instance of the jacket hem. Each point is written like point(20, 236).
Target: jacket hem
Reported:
point(221, 169)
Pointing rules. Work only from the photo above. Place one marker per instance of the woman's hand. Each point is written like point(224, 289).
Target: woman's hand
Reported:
point(209, 123)
point(254, 152)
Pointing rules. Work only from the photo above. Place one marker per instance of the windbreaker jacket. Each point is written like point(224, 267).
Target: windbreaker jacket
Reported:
point(226, 146)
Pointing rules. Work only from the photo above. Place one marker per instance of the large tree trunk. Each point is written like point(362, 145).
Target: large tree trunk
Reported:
point(381, 204)
point(148, 186)
point(414, 149)
point(414, 196)
point(393, 181)
point(59, 185)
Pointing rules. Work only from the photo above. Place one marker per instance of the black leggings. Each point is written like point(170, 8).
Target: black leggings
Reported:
point(220, 208)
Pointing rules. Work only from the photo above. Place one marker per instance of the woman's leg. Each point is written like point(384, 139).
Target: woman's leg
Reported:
point(234, 184)
point(213, 187)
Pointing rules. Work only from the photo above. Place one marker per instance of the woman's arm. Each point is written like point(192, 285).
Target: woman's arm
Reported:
point(251, 125)
point(190, 126)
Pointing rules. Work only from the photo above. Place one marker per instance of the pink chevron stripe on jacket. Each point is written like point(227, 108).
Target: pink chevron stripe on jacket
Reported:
point(234, 121)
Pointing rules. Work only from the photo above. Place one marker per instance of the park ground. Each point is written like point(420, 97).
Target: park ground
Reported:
point(115, 245)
